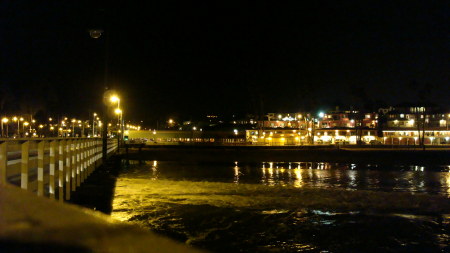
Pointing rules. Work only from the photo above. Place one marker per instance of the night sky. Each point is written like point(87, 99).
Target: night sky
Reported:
point(192, 58)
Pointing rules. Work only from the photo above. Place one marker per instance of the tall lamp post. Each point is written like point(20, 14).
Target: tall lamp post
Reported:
point(118, 111)
point(15, 119)
point(93, 124)
point(5, 121)
point(96, 34)
point(25, 124)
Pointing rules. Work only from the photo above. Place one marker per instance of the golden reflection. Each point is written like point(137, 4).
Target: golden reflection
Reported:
point(270, 180)
point(447, 179)
point(299, 180)
point(270, 170)
point(155, 170)
point(236, 174)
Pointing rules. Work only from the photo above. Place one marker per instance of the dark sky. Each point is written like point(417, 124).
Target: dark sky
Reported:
point(190, 58)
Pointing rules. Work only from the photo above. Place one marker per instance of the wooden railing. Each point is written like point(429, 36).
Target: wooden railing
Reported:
point(52, 167)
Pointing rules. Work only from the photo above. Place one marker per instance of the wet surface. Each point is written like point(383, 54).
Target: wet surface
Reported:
point(289, 207)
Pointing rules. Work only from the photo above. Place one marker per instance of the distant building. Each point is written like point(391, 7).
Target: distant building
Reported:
point(337, 119)
point(174, 137)
point(279, 137)
point(402, 123)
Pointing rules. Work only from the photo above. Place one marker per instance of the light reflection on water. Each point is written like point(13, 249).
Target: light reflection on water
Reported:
point(265, 207)
point(415, 179)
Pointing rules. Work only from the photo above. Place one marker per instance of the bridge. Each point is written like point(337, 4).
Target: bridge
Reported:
point(36, 174)
point(52, 167)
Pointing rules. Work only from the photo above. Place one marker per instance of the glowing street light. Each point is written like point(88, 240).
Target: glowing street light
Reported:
point(5, 121)
point(15, 119)
point(24, 125)
point(93, 124)
point(73, 127)
point(114, 99)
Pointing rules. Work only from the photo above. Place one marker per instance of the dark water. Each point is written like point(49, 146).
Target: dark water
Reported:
point(288, 207)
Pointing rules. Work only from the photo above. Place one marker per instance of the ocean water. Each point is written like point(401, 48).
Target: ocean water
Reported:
point(289, 207)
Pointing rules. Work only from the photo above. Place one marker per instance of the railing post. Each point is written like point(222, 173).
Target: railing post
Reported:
point(85, 161)
point(91, 155)
point(85, 168)
point(3, 162)
point(73, 165)
point(101, 154)
point(40, 169)
point(78, 162)
point(95, 153)
point(61, 148)
point(24, 165)
point(82, 170)
point(68, 168)
point(52, 166)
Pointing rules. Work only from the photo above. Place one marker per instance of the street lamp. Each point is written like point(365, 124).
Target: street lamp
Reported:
point(5, 120)
point(114, 99)
point(41, 131)
point(118, 111)
point(15, 119)
point(24, 125)
point(93, 124)
point(73, 127)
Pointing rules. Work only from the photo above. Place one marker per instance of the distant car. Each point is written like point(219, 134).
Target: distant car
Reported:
point(375, 142)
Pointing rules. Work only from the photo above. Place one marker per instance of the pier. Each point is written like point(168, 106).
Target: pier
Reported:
point(37, 174)
point(52, 167)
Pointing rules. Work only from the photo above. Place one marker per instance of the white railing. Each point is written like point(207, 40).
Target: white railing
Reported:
point(52, 167)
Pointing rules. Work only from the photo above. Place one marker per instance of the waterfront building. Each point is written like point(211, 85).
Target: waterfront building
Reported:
point(349, 119)
point(393, 126)
point(401, 125)
point(406, 124)
point(177, 137)
point(326, 136)
point(284, 120)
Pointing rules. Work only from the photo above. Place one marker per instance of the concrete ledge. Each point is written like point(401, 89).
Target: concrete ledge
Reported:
point(35, 224)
